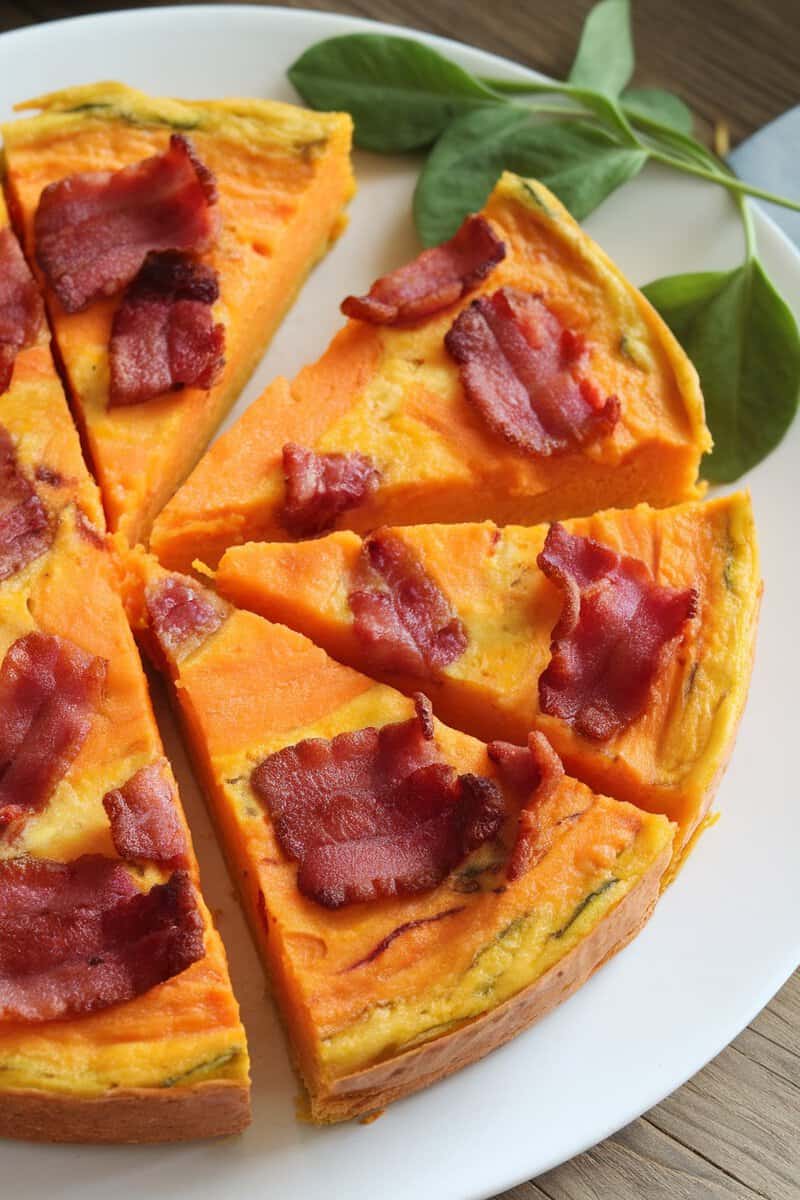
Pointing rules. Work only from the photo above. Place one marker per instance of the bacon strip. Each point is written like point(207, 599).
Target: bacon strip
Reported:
point(50, 691)
point(21, 308)
point(163, 337)
point(93, 231)
point(434, 280)
point(25, 531)
point(534, 773)
point(520, 369)
point(400, 615)
point(376, 812)
point(144, 819)
point(182, 614)
point(611, 638)
point(320, 487)
point(77, 937)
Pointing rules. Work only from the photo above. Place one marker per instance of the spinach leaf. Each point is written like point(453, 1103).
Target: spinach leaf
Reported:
point(653, 104)
point(744, 342)
point(400, 93)
point(605, 60)
point(579, 162)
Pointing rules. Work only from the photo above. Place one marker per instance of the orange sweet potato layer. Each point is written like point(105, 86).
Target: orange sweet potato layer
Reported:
point(279, 213)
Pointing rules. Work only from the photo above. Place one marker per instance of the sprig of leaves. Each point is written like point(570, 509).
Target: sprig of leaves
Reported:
point(583, 138)
point(743, 339)
point(404, 96)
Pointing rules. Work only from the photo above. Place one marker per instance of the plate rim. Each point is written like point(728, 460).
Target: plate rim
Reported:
point(790, 960)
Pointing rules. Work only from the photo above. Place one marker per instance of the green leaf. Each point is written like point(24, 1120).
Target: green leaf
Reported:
point(605, 60)
point(744, 342)
point(580, 163)
point(400, 93)
point(653, 104)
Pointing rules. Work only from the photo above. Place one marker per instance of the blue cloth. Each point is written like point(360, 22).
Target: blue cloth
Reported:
point(770, 159)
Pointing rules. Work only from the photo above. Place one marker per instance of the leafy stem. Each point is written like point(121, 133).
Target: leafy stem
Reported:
point(751, 250)
point(515, 87)
point(560, 111)
point(680, 152)
point(727, 181)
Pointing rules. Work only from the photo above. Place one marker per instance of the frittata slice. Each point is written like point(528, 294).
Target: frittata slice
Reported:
point(387, 411)
point(670, 758)
point(170, 1062)
point(388, 981)
point(282, 175)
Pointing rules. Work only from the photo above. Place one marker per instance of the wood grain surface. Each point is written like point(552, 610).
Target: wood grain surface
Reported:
point(732, 1132)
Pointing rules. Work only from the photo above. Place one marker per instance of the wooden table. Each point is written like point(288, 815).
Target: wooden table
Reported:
point(732, 1132)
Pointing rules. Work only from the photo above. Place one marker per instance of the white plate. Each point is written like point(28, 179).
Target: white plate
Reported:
point(721, 942)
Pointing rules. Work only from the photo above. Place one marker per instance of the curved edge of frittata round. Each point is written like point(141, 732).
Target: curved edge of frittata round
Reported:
point(373, 1088)
point(214, 1108)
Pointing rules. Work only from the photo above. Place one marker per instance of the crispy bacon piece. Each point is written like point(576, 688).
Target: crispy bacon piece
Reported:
point(163, 337)
point(434, 280)
point(25, 531)
point(399, 612)
point(520, 368)
point(77, 937)
point(609, 642)
point(527, 768)
point(50, 690)
point(534, 773)
point(182, 614)
point(93, 231)
point(376, 812)
point(21, 308)
point(144, 819)
point(319, 487)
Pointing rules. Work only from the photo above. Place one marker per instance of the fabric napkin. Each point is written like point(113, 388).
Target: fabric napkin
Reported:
point(770, 159)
